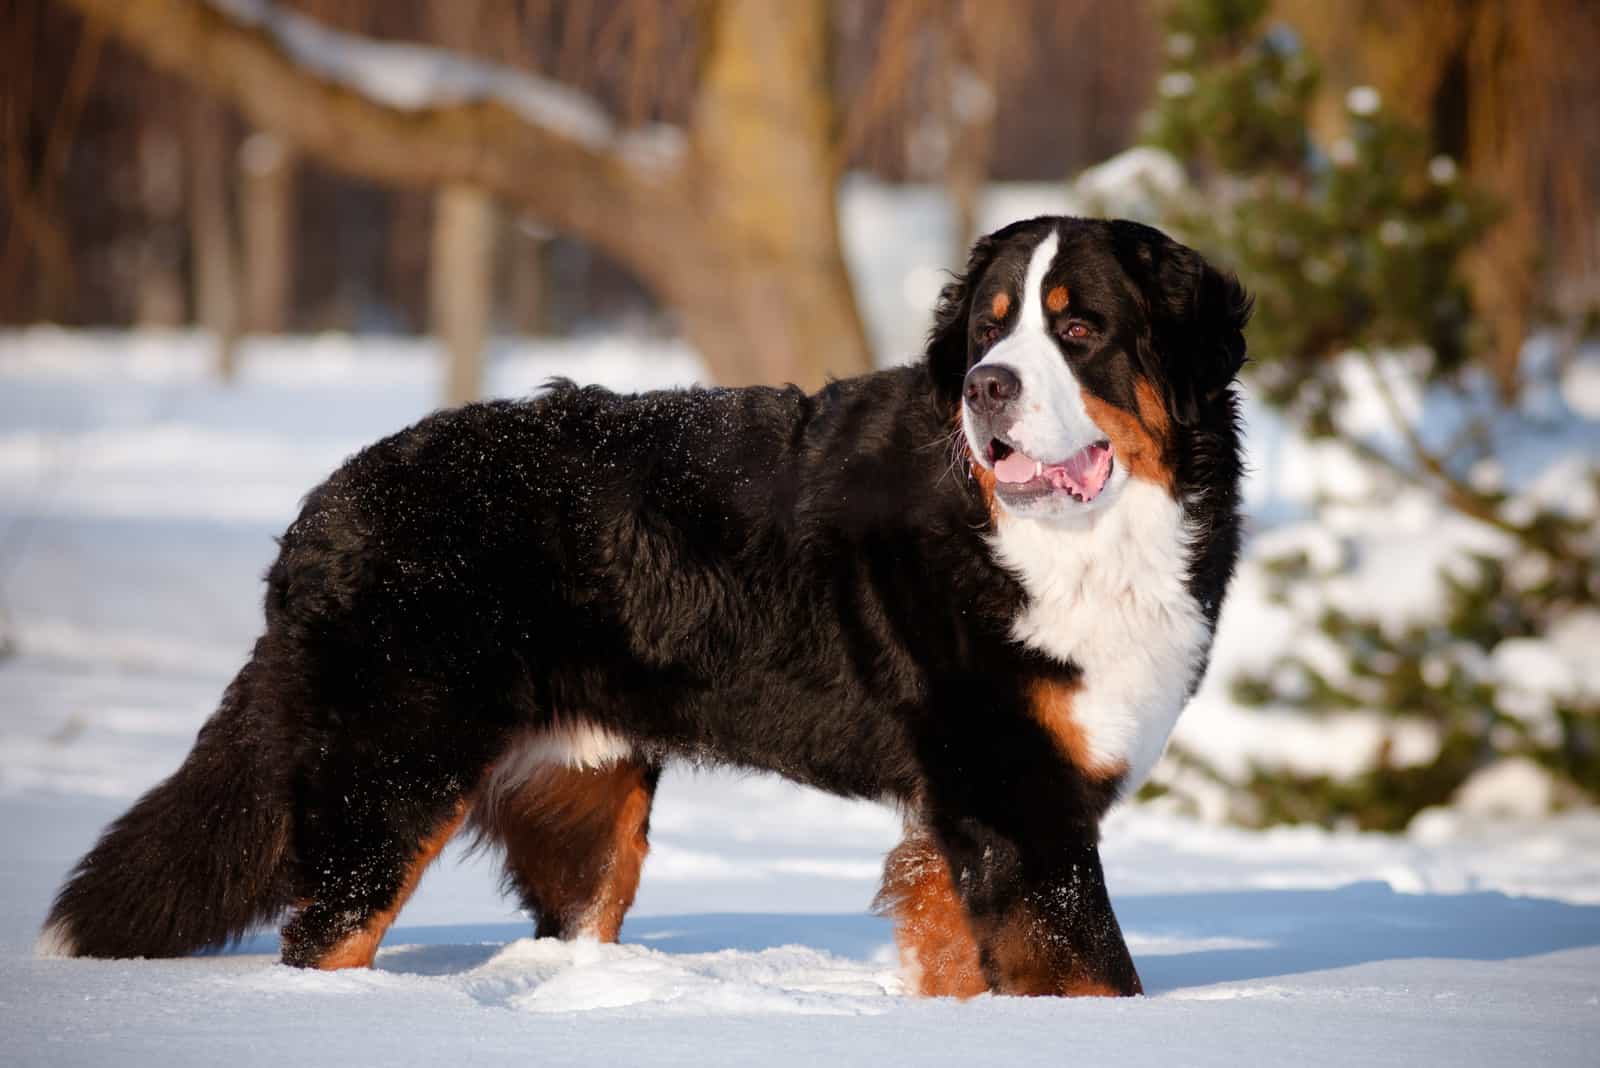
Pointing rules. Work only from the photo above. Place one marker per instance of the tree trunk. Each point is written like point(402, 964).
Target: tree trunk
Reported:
point(525, 302)
point(159, 298)
point(970, 100)
point(266, 192)
point(739, 236)
point(215, 263)
point(769, 298)
point(463, 255)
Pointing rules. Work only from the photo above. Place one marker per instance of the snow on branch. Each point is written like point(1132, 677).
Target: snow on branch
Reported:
point(411, 115)
point(413, 77)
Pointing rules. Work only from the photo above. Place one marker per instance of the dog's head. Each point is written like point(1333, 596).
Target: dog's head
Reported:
point(1081, 350)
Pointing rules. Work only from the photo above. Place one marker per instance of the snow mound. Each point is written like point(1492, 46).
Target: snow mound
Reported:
point(548, 976)
point(545, 976)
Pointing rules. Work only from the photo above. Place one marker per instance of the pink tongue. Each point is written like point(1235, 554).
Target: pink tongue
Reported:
point(1016, 467)
point(1085, 472)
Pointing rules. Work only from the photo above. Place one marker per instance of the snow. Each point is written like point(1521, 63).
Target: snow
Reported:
point(1132, 184)
point(138, 500)
point(414, 77)
point(1513, 786)
point(1363, 100)
point(1581, 389)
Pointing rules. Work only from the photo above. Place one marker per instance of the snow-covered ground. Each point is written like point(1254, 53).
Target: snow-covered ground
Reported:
point(138, 500)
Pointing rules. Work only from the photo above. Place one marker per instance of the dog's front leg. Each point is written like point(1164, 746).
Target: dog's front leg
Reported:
point(1038, 909)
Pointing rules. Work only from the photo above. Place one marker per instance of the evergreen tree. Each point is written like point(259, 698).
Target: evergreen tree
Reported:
point(1354, 250)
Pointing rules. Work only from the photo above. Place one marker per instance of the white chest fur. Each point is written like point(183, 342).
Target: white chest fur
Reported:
point(1109, 596)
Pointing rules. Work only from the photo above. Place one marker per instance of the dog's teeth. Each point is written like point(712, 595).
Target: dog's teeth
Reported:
point(1038, 468)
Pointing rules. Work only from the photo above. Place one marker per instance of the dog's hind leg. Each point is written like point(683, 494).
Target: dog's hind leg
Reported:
point(373, 811)
point(575, 839)
point(356, 898)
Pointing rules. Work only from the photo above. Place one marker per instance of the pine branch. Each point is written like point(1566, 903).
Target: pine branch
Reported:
point(1432, 473)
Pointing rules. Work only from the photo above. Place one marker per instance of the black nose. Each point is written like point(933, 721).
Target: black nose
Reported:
point(991, 387)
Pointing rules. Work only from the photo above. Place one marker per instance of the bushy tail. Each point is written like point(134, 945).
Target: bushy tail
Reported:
point(198, 861)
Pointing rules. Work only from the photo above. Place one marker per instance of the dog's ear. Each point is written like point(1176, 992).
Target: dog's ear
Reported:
point(1198, 313)
point(947, 348)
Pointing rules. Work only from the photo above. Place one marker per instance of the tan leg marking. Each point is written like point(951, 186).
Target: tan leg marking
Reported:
point(1025, 971)
point(937, 950)
point(575, 840)
point(359, 949)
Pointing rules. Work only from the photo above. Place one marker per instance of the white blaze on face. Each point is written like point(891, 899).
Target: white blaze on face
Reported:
point(1052, 424)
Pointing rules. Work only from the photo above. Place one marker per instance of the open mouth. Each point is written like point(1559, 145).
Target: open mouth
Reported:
point(1080, 476)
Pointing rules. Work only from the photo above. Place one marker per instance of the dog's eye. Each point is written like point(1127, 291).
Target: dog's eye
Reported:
point(1073, 330)
point(989, 334)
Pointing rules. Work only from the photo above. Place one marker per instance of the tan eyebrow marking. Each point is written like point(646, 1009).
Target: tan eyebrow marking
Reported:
point(1056, 299)
point(1000, 305)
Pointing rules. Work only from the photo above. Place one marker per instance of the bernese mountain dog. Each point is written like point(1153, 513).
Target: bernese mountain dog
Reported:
point(980, 587)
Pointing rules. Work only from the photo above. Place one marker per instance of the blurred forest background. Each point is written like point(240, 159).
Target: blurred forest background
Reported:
point(1411, 186)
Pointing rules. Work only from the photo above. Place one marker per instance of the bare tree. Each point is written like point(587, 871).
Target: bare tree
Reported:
point(460, 289)
point(1509, 89)
point(267, 211)
point(460, 286)
point(29, 208)
point(159, 286)
point(215, 252)
point(731, 222)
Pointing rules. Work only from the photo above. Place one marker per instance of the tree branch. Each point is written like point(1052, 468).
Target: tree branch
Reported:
point(541, 146)
point(1433, 474)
